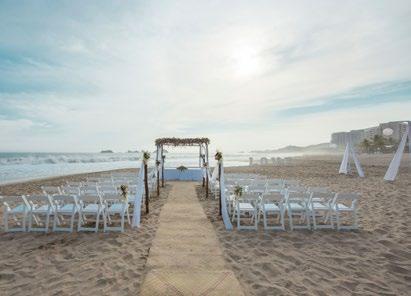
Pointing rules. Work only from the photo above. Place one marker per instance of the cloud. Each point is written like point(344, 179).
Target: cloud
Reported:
point(247, 75)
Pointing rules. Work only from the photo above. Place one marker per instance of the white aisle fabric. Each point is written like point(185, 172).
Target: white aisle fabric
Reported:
point(214, 176)
point(224, 211)
point(138, 197)
point(392, 171)
point(344, 162)
point(349, 151)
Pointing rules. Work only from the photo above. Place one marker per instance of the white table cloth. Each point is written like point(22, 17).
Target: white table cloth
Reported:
point(191, 174)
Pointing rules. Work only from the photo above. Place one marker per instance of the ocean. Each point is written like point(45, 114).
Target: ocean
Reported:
point(15, 167)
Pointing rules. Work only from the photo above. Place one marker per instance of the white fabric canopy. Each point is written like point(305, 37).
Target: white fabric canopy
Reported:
point(392, 171)
point(349, 151)
point(138, 197)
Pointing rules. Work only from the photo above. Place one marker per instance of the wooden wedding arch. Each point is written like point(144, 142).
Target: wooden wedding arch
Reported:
point(202, 143)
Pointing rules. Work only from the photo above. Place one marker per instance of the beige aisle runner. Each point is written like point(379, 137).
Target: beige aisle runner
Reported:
point(185, 258)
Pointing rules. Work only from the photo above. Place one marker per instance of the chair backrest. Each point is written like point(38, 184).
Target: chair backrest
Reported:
point(38, 200)
point(318, 189)
point(348, 199)
point(89, 199)
point(259, 182)
point(275, 188)
point(289, 183)
point(89, 191)
point(108, 190)
point(296, 189)
point(12, 201)
point(297, 196)
point(275, 182)
point(249, 197)
point(64, 199)
point(71, 190)
point(273, 197)
point(51, 190)
point(89, 184)
point(322, 197)
point(73, 184)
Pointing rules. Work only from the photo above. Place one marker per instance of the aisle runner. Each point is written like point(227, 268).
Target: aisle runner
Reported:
point(186, 258)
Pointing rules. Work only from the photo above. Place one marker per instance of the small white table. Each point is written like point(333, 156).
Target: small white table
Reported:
point(191, 174)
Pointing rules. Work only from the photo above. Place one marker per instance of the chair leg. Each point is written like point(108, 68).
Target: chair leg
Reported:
point(290, 217)
point(30, 221)
point(46, 227)
point(337, 216)
point(128, 218)
point(6, 221)
point(314, 220)
point(122, 222)
point(72, 221)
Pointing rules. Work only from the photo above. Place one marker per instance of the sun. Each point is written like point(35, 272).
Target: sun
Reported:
point(245, 61)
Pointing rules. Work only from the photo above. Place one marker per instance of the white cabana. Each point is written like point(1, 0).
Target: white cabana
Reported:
point(345, 163)
point(392, 171)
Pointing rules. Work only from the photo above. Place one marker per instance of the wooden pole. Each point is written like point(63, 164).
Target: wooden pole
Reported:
point(146, 188)
point(162, 167)
point(158, 172)
point(219, 180)
point(206, 185)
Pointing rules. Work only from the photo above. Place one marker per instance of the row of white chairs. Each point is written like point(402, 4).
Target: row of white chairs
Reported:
point(316, 207)
point(88, 204)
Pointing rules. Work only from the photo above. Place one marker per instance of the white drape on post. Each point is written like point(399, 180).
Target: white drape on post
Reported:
point(138, 197)
point(224, 211)
point(349, 151)
point(396, 161)
point(214, 176)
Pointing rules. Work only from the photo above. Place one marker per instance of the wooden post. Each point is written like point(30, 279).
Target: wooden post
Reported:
point(206, 185)
point(158, 172)
point(219, 180)
point(162, 167)
point(146, 187)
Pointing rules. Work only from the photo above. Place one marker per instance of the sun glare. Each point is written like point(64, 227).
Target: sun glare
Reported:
point(246, 62)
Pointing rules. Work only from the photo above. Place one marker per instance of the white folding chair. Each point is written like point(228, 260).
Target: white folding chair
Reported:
point(64, 205)
point(345, 203)
point(297, 206)
point(247, 204)
point(115, 205)
point(71, 190)
point(289, 183)
point(90, 204)
point(320, 205)
point(15, 206)
point(273, 203)
point(51, 190)
point(39, 205)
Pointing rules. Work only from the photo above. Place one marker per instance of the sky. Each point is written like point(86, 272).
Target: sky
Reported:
point(82, 76)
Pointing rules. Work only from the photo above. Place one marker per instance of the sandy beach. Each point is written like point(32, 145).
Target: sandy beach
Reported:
point(78, 263)
point(375, 260)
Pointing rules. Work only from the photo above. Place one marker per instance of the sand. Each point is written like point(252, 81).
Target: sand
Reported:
point(375, 260)
point(78, 263)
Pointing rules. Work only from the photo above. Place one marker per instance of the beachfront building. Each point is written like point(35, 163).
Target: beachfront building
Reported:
point(357, 136)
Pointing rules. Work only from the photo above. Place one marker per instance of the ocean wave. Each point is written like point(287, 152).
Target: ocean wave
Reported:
point(36, 159)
